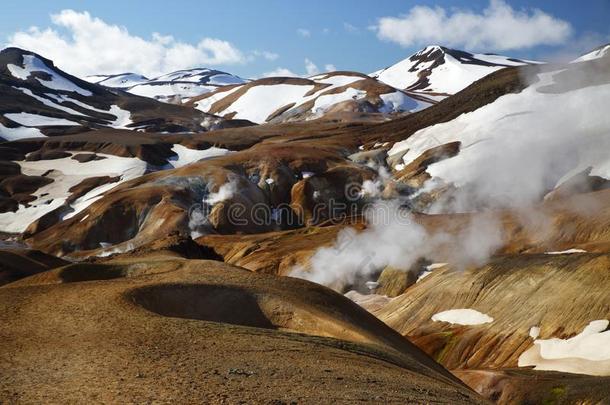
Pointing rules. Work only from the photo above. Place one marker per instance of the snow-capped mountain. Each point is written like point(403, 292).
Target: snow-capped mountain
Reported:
point(119, 81)
point(597, 53)
point(437, 71)
point(551, 135)
point(279, 99)
point(176, 87)
point(38, 99)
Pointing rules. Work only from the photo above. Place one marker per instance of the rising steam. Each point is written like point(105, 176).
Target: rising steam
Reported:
point(513, 152)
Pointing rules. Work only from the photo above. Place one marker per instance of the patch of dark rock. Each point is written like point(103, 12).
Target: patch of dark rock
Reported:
point(17, 263)
point(23, 184)
point(46, 155)
point(89, 184)
point(87, 157)
point(8, 153)
point(9, 169)
point(23, 198)
point(7, 204)
point(46, 221)
point(91, 272)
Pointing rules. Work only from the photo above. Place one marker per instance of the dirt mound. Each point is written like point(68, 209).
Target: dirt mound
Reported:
point(203, 331)
point(17, 263)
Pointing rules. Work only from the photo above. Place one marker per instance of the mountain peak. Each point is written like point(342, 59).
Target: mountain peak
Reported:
point(13, 55)
point(439, 71)
point(599, 52)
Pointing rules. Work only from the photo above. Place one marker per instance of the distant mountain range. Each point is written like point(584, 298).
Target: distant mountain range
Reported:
point(414, 83)
point(174, 87)
point(38, 99)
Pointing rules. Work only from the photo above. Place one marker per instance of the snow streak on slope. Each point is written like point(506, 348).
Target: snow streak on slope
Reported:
point(13, 134)
point(121, 81)
point(35, 120)
point(600, 52)
point(32, 64)
point(462, 316)
point(67, 173)
point(187, 156)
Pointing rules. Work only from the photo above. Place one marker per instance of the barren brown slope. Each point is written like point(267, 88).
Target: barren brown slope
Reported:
point(559, 293)
point(197, 331)
point(523, 386)
point(17, 263)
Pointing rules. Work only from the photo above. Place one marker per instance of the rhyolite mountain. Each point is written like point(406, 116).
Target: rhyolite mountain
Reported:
point(438, 71)
point(113, 241)
point(175, 87)
point(38, 99)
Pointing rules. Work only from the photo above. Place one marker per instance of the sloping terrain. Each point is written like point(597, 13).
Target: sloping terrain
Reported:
point(200, 331)
point(37, 99)
point(438, 72)
point(534, 279)
point(533, 387)
point(18, 262)
point(553, 131)
point(280, 99)
point(497, 266)
point(294, 166)
point(176, 87)
point(597, 53)
point(47, 180)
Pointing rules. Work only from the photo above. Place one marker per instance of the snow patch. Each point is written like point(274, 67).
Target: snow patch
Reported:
point(13, 134)
point(464, 316)
point(187, 156)
point(259, 102)
point(35, 120)
point(33, 64)
point(66, 173)
point(429, 269)
point(566, 252)
point(534, 332)
point(586, 353)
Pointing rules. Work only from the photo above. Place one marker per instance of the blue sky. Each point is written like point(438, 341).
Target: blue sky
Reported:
point(273, 34)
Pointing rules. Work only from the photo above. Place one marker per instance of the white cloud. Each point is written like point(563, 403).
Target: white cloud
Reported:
point(266, 54)
point(305, 33)
point(498, 27)
point(311, 68)
point(576, 47)
point(349, 27)
point(85, 45)
point(280, 72)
